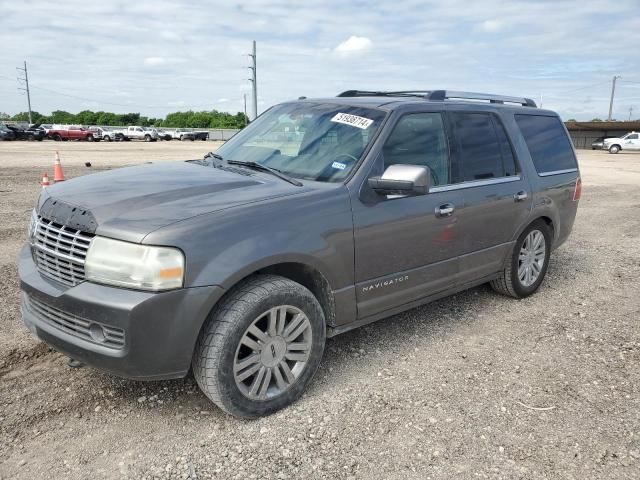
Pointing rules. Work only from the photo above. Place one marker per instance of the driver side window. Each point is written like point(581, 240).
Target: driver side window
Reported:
point(420, 139)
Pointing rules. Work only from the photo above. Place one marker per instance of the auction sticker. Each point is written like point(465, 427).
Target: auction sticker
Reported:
point(353, 120)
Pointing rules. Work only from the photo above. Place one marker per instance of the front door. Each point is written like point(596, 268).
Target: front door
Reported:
point(631, 142)
point(406, 248)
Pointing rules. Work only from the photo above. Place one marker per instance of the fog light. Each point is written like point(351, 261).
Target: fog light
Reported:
point(96, 332)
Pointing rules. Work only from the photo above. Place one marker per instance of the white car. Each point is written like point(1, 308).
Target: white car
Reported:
point(630, 141)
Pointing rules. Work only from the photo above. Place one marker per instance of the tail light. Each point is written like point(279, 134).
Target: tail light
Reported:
point(577, 193)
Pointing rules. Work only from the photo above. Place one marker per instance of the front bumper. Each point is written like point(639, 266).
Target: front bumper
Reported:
point(159, 330)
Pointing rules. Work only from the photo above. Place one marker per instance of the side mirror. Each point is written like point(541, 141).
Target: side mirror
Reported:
point(402, 180)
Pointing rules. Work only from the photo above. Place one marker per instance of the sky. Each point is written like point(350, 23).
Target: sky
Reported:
point(156, 57)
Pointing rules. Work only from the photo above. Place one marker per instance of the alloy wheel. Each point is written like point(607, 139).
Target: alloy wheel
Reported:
point(531, 258)
point(273, 352)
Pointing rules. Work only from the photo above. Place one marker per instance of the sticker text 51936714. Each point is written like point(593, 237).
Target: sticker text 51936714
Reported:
point(353, 120)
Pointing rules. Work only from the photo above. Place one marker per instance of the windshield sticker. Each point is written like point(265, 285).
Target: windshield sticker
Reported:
point(338, 165)
point(353, 120)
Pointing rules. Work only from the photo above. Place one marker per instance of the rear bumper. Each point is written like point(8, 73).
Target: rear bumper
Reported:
point(159, 330)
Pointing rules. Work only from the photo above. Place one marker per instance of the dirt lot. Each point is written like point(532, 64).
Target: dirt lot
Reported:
point(473, 386)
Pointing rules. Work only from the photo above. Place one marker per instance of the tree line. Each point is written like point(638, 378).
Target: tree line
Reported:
point(189, 119)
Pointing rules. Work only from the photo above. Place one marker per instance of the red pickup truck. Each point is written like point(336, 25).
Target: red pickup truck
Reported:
point(71, 133)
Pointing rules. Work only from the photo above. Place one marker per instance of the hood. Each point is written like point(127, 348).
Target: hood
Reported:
point(129, 203)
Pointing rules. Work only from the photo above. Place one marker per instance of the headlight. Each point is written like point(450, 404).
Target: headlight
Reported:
point(31, 229)
point(131, 265)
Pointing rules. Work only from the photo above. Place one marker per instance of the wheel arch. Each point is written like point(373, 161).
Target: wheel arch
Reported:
point(546, 218)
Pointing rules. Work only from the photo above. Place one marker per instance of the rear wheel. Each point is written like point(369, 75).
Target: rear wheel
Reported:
point(260, 347)
point(147, 138)
point(614, 149)
point(528, 264)
point(90, 138)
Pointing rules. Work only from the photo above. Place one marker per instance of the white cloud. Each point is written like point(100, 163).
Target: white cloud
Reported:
point(354, 44)
point(154, 61)
point(491, 26)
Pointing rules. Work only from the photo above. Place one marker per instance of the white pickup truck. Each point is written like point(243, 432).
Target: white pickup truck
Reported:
point(630, 141)
point(133, 133)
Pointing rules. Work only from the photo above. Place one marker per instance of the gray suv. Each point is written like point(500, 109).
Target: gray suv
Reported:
point(321, 216)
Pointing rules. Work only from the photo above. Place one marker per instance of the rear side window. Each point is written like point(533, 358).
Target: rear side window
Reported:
point(548, 143)
point(483, 147)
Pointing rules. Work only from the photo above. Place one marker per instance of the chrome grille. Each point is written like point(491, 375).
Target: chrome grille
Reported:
point(60, 251)
point(93, 332)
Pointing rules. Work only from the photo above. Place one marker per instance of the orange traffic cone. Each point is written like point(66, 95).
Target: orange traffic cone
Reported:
point(58, 174)
point(45, 180)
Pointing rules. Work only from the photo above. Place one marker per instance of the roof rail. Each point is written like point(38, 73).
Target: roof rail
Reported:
point(366, 93)
point(448, 94)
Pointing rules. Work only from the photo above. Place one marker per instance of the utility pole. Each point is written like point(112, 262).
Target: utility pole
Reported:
point(613, 92)
point(254, 81)
point(630, 112)
point(26, 88)
point(244, 96)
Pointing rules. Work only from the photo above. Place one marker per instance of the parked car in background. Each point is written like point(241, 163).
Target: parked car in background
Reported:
point(97, 133)
point(239, 265)
point(598, 143)
point(630, 141)
point(135, 133)
point(22, 133)
point(38, 132)
point(6, 133)
point(111, 135)
point(166, 135)
point(64, 133)
point(182, 134)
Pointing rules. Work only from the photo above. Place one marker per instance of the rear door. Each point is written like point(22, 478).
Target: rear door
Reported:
point(497, 197)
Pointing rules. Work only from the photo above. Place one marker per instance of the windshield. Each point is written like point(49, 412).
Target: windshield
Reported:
point(312, 141)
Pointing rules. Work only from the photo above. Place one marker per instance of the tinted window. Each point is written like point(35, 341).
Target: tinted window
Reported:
point(419, 139)
point(547, 141)
point(483, 147)
point(632, 137)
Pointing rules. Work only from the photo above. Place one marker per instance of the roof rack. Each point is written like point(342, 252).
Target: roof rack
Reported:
point(449, 94)
point(443, 95)
point(402, 93)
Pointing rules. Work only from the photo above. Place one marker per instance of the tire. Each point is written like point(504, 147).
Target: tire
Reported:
point(57, 137)
point(509, 282)
point(90, 138)
point(181, 138)
point(614, 149)
point(106, 138)
point(220, 346)
point(147, 138)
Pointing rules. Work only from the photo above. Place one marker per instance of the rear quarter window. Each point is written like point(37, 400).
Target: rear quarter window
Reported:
point(548, 143)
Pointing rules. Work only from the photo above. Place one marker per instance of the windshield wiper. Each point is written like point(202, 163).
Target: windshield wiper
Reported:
point(214, 156)
point(264, 168)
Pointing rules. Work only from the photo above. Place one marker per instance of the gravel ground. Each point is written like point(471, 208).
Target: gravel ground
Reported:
point(473, 386)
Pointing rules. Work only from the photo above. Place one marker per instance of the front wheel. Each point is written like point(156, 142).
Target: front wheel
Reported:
point(614, 149)
point(260, 346)
point(528, 264)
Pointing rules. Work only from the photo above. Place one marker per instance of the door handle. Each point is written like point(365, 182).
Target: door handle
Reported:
point(445, 210)
point(520, 196)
